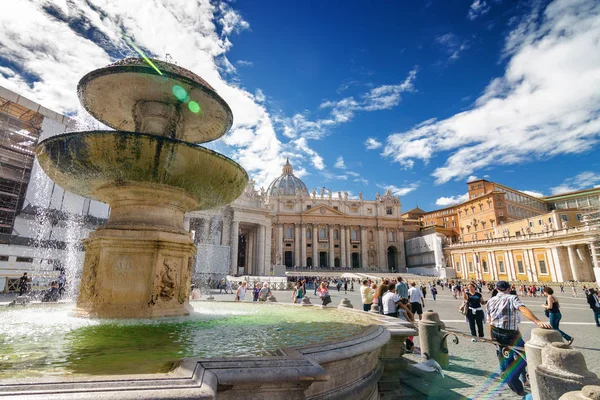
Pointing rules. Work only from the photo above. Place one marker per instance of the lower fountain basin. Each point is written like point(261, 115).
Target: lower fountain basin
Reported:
point(87, 162)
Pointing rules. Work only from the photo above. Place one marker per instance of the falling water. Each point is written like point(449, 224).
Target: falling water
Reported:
point(212, 259)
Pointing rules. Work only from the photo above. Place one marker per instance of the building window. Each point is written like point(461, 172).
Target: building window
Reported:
point(453, 224)
point(457, 265)
point(579, 217)
point(485, 267)
point(480, 207)
point(371, 235)
point(308, 207)
point(530, 224)
point(288, 233)
point(520, 268)
point(322, 233)
point(336, 208)
point(389, 211)
point(539, 222)
point(466, 212)
point(390, 236)
point(336, 234)
point(549, 220)
point(3, 258)
point(309, 234)
point(369, 210)
point(564, 217)
point(501, 267)
point(493, 223)
point(354, 234)
point(543, 269)
point(470, 266)
point(25, 259)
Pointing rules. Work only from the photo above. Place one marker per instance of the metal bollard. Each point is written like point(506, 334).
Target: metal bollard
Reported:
point(431, 338)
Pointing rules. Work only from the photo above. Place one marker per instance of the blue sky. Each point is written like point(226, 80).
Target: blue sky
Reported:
point(417, 97)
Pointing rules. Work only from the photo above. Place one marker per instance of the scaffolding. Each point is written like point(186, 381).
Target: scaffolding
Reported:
point(20, 129)
point(591, 219)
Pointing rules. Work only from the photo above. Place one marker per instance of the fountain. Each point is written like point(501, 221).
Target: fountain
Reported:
point(150, 171)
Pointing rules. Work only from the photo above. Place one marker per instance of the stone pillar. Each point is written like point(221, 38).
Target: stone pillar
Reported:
point(186, 224)
point(364, 248)
point(492, 263)
point(528, 266)
point(348, 247)
point(381, 253)
point(235, 227)
point(465, 267)
point(512, 271)
point(315, 246)
point(573, 262)
point(279, 260)
point(297, 241)
point(226, 234)
point(556, 260)
point(540, 338)
point(563, 370)
point(343, 261)
point(249, 253)
point(268, 261)
point(331, 247)
point(533, 265)
point(205, 230)
point(303, 245)
point(551, 266)
point(260, 270)
point(430, 338)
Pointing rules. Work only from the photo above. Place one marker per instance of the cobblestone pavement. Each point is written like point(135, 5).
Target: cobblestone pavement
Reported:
point(473, 370)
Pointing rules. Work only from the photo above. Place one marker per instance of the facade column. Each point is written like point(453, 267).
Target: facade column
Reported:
point(268, 261)
point(594, 254)
point(348, 247)
point(315, 246)
point(492, 265)
point(186, 224)
point(465, 268)
point(381, 246)
point(297, 241)
point(512, 273)
point(478, 267)
point(533, 266)
point(205, 231)
point(250, 251)
point(551, 265)
point(260, 270)
point(556, 259)
point(226, 234)
point(235, 227)
point(280, 260)
point(573, 262)
point(364, 249)
point(343, 261)
point(303, 245)
point(330, 241)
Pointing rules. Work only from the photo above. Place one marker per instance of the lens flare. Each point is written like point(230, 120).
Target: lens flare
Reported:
point(194, 107)
point(181, 94)
point(141, 53)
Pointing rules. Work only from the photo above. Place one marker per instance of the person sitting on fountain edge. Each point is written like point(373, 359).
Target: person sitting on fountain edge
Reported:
point(51, 294)
point(503, 310)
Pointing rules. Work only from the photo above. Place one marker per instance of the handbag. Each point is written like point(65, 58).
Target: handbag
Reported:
point(547, 313)
point(326, 300)
point(463, 308)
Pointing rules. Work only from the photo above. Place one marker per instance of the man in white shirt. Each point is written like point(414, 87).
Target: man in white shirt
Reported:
point(417, 302)
point(390, 301)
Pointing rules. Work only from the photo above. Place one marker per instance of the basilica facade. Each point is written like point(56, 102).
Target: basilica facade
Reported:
point(287, 224)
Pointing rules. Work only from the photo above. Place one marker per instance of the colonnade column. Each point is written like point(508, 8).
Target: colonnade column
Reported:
point(235, 227)
point(315, 247)
point(267, 255)
point(303, 245)
point(343, 261)
point(573, 262)
point(260, 270)
point(280, 259)
point(491, 263)
point(512, 272)
point(556, 261)
point(330, 241)
point(226, 234)
point(381, 249)
point(205, 230)
point(528, 267)
point(297, 239)
point(531, 258)
point(465, 269)
point(364, 256)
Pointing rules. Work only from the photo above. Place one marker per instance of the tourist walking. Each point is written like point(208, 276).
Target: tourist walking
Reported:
point(23, 282)
point(366, 296)
point(593, 300)
point(475, 314)
point(346, 286)
point(402, 288)
point(553, 312)
point(240, 293)
point(324, 294)
point(574, 291)
point(434, 292)
point(502, 312)
point(417, 302)
point(298, 293)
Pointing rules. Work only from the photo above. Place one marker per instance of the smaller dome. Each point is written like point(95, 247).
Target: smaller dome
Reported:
point(287, 184)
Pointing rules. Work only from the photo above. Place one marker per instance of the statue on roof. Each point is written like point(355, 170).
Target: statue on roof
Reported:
point(330, 194)
point(346, 196)
point(322, 192)
point(360, 196)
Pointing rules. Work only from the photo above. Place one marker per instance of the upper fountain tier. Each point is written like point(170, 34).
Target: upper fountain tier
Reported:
point(131, 95)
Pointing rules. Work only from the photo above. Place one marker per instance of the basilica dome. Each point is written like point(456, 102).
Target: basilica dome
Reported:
point(287, 184)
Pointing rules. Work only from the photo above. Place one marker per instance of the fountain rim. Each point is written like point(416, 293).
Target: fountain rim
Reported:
point(40, 145)
point(145, 69)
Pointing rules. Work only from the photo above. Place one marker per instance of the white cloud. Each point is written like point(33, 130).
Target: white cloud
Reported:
point(472, 178)
point(477, 9)
point(259, 96)
point(339, 163)
point(315, 158)
point(372, 144)
point(342, 111)
point(401, 191)
point(361, 180)
point(351, 173)
point(244, 63)
point(50, 44)
point(449, 201)
point(546, 104)
point(532, 193)
point(453, 45)
point(583, 180)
